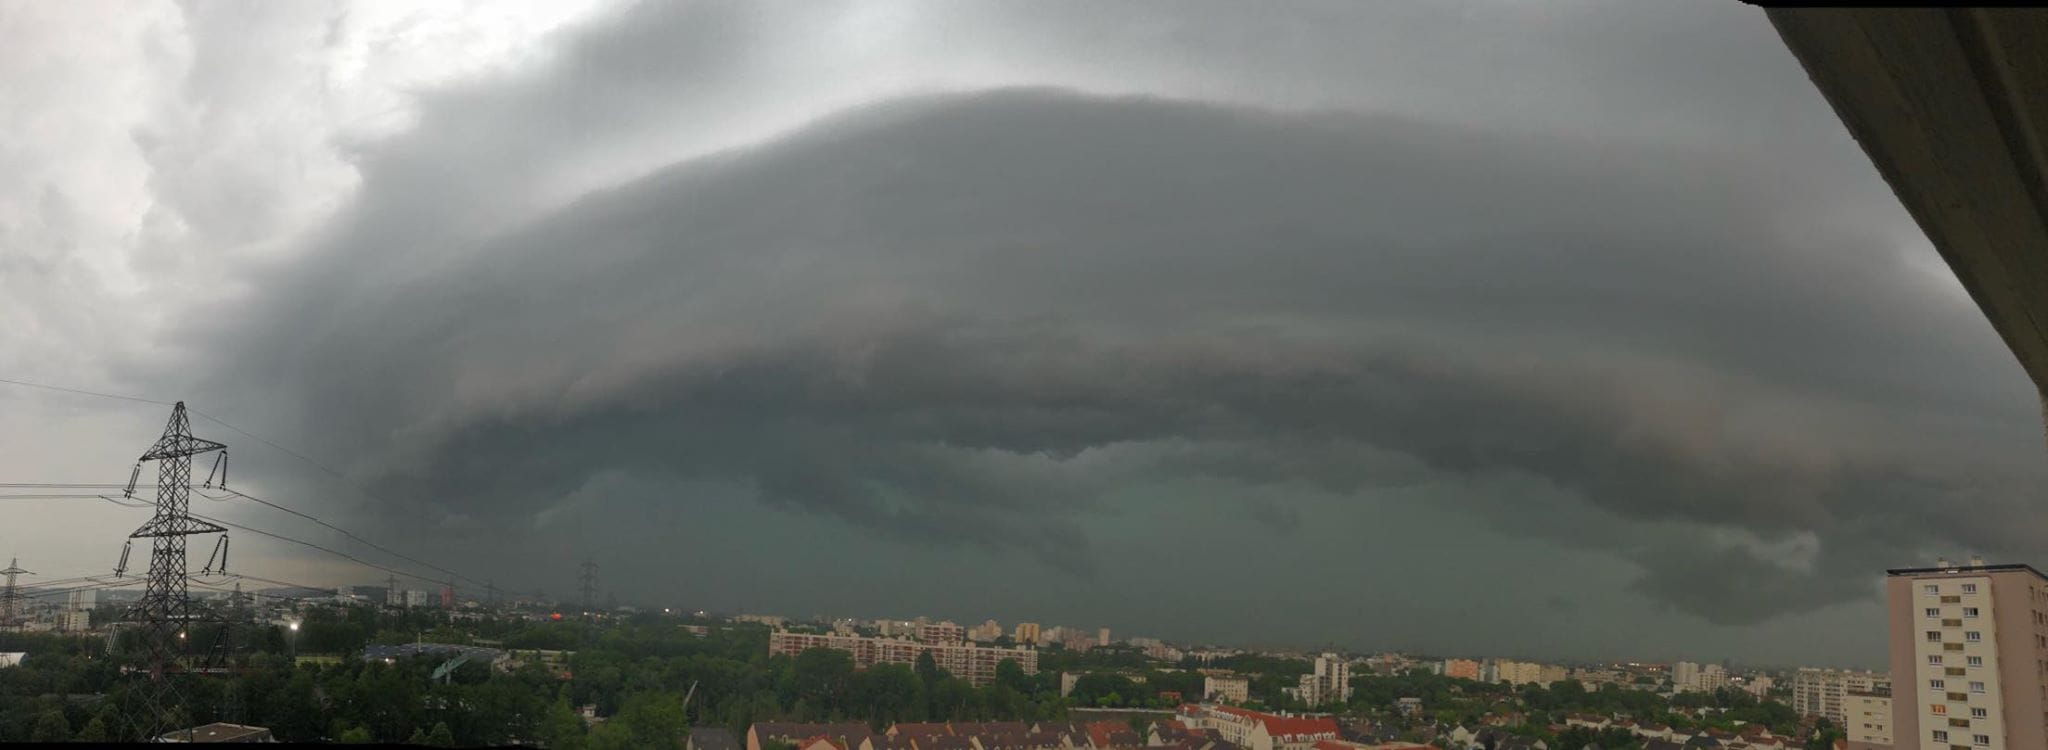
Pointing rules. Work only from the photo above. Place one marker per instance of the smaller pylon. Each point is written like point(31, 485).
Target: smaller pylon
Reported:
point(589, 584)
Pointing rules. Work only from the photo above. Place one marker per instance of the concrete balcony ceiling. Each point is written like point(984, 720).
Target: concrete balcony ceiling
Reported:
point(1951, 106)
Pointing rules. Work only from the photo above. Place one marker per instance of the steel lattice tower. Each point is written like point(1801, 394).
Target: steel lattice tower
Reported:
point(11, 597)
point(166, 610)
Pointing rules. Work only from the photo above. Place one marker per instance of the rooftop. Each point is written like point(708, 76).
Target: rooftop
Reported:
point(1954, 569)
point(218, 732)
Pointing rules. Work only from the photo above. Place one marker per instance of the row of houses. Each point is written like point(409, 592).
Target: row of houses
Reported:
point(1748, 737)
point(992, 735)
point(1194, 727)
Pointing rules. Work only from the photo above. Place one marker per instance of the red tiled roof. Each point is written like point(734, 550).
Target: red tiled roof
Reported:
point(810, 742)
point(1099, 732)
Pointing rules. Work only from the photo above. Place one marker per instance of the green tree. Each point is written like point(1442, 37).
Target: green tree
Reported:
point(1011, 675)
point(355, 736)
point(821, 676)
point(441, 736)
point(610, 736)
point(95, 731)
point(653, 719)
point(928, 670)
point(885, 694)
point(418, 738)
point(51, 727)
point(562, 729)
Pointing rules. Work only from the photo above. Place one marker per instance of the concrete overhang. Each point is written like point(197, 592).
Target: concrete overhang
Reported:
point(1950, 104)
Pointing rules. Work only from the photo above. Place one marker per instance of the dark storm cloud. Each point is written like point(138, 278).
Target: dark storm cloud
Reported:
point(971, 319)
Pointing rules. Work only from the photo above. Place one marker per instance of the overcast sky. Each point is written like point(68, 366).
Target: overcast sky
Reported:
point(1572, 330)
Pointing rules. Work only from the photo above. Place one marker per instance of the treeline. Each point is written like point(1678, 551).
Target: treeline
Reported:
point(637, 674)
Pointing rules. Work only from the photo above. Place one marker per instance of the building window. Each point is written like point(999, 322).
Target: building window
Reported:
point(1972, 636)
point(1979, 713)
point(1976, 687)
point(1976, 661)
point(1931, 589)
point(1982, 739)
point(1969, 588)
point(1934, 660)
point(1933, 612)
point(1969, 611)
point(1933, 636)
point(1938, 709)
point(1937, 684)
point(1940, 735)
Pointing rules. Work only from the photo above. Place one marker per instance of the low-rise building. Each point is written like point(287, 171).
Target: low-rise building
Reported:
point(1254, 730)
point(712, 738)
point(849, 734)
point(1226, 689)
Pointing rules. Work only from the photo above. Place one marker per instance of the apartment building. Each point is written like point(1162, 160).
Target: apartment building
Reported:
point(1329, 683)
point(1464, 668)
point(976, 664)
point(1870, 720)
point(1513, 672)
point(1823, 692)
point(1226, 689)
point(1969, 649)
point(941, 632)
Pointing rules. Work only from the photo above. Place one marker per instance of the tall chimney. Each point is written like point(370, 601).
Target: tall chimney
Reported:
point(1941, 562)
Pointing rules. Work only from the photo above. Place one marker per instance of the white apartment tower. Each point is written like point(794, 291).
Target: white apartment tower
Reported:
point(1822, 692)
point(1685, 676)
point(1329, 683)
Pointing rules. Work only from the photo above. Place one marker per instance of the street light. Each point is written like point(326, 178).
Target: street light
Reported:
point(292, 639)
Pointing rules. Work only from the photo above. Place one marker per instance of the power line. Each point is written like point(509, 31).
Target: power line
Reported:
point(246, 496)
point(328, 550)
point(330, 471)
point(346, 533)
point(83, 392)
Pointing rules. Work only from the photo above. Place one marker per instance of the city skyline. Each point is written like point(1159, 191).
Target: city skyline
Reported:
point(1559, 331)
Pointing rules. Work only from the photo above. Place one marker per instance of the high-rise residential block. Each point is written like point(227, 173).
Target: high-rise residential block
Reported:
point(1969, 654)
point(1329, 683)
